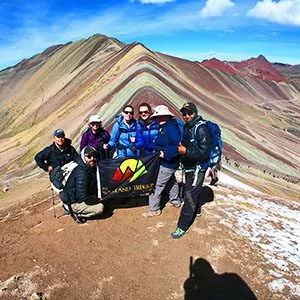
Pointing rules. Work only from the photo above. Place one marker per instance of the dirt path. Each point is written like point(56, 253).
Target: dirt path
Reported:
point(125, 256)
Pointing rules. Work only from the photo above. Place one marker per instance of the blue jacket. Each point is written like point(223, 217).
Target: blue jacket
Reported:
point(120, 138)
point(168, 139)
point(148, 133)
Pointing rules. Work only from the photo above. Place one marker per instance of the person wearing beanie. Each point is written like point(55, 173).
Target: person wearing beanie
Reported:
point(81, 190)
point(95, 136)
point(59, 153)
point(193, 149)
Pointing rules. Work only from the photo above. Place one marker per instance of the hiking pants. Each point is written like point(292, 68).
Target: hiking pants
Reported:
point(86, 210)
point(192, 200)
point(165, 178)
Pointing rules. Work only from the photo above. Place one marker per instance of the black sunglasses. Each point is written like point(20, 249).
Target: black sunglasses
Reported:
point(91, 155)
point(184, 114)
point(144, 112)
point(128, 112)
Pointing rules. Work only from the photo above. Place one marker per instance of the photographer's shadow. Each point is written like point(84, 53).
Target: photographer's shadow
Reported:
point(205, 284)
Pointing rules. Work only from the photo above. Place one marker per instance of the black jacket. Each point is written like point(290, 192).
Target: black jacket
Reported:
point(52, 156)
point(81, 185)
point(197, 145)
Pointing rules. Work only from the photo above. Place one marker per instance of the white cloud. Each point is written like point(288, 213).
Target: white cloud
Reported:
point(215, 8)
point(282, 12)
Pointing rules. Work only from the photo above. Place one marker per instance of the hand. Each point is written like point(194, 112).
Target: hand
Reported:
point(105, 146)
point(50, 169)
point(161, 154)
point(132, 139)
point(181, 149)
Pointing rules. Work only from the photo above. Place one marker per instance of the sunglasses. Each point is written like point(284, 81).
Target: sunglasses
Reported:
point(91, 155)
point(184, 114)
point(128, 112)
point(144, 112)
point(61, 137)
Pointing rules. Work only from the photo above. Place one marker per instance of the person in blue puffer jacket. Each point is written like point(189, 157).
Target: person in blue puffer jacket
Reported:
point(147, 127)
point(125, 138)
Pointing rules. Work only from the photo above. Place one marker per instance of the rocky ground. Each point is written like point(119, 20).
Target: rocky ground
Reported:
point(243, 238)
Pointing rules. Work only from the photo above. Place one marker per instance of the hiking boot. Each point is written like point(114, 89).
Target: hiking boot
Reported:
point(213, 181)
point(78, 220)
point(152, 213)
point(178, 233)
point(66, 209)
point(173, 204)
point(199, 212)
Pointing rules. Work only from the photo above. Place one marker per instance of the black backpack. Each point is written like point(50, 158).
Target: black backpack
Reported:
point(60, 175)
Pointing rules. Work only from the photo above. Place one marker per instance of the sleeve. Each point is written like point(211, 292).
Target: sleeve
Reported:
point(106, 137)
point(43, 158)
point(114, 135)
point(139, 143)
point(75, 154)
point(200, 151)
point(84, 141)
point(172, 136)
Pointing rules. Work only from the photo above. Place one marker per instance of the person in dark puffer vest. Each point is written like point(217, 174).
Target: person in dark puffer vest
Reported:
point(81, 189)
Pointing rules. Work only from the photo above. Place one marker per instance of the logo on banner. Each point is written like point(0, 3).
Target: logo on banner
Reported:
point(130, 170)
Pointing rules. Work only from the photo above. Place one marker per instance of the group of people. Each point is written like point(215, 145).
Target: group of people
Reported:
point(154, 131)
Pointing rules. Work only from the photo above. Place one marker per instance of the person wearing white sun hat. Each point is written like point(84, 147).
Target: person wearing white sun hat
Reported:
point(166, 143)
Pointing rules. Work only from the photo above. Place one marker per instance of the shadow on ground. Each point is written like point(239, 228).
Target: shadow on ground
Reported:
point(203, 283)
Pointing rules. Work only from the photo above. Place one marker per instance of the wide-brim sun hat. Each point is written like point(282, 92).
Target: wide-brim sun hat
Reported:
point(161, 110)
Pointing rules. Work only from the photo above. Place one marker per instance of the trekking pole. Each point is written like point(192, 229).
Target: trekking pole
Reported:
point(53, 202)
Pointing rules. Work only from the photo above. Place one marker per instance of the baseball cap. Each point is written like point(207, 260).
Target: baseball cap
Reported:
point(94, 119)
point(189, 106)
point(88, 150)
point(58, 132)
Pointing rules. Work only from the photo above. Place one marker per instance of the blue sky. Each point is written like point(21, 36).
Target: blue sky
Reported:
point(191, 29)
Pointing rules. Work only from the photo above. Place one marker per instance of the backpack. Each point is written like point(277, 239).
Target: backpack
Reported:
point(60, 175)
point(216, 144)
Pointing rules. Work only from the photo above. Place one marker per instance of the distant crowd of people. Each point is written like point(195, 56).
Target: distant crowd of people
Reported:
point(156, 130)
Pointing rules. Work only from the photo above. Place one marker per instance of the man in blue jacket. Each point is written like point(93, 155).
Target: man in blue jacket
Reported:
point(166, 143)
point(194, 150)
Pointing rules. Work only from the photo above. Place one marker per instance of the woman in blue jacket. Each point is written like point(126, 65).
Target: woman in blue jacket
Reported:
point(124, 137)
point(147, 127)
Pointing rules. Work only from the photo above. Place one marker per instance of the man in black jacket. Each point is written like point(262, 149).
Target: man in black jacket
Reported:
point(58, 154)
point(81, 189)
point(194, 149)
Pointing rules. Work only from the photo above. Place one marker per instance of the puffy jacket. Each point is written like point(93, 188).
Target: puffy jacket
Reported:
point(168, 139)
point(52, 156)
point(148, 133)
point(81, 185)
point(120, 138)
point(198, 146)
point(94, 139)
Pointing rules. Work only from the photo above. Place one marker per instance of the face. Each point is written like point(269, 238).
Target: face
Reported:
point(128, 113)
point(162, 119)
point(95, 126)
point(144, 112)
point(59, 140)
point(188, 115)
point(91, 160)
